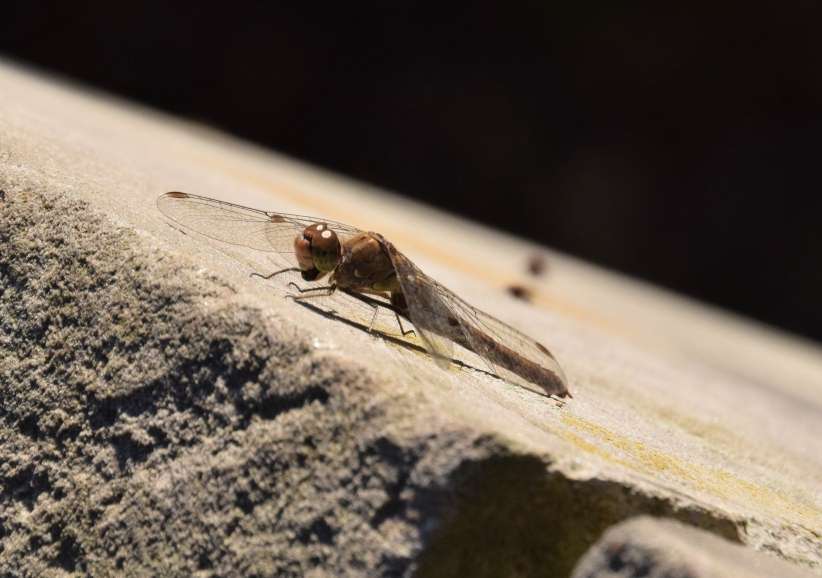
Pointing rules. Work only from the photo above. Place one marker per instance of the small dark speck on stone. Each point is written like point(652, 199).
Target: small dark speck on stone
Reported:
point(537, 265)
point(2, 195)
point(520, 292)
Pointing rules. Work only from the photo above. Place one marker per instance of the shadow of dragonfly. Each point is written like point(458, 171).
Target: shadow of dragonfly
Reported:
point(396, 340)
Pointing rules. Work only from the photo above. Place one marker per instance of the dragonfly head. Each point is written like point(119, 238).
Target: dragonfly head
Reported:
point(318, 247)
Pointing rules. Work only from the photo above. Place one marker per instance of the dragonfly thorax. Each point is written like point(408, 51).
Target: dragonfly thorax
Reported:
point(318, 247)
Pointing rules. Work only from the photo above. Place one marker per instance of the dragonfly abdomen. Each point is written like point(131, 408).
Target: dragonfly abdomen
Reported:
point(504, 357)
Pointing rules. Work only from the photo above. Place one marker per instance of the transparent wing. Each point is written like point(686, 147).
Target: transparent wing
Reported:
point(440, 316)
point(515, 356)
point(270, 232)
point(428, 313)
point(238, 225)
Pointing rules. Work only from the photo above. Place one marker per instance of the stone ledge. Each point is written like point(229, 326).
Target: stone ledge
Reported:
point(162, 413)
point(153, 423)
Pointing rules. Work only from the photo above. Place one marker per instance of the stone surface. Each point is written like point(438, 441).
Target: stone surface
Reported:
point(161, 413)
point(645, 547)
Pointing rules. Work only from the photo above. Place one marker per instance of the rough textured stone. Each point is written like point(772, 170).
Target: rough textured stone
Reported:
point(163, 414)
point(146, 433)
point(652, 548)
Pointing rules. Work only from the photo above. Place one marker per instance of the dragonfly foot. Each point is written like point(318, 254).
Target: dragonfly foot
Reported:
point(274, 274)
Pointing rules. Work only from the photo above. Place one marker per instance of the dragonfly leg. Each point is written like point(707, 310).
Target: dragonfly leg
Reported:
point(330, 288)
point(373, 303)
point(373, 318)
point(402, 330)
point(275, 273)
point(311, 292)
point(377, 304)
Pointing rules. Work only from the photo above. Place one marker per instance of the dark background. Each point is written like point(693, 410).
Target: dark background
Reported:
point(676, 143)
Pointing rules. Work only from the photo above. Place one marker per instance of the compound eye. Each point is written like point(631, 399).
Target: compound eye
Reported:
point(325, 247)
point(302, 250)
point(324, 239)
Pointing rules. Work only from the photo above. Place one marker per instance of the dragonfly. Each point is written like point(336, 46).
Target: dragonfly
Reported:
point(335, 258)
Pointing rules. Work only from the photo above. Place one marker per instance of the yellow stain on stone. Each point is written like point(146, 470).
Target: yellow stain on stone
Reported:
point(696, 427)
point(636, 456)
